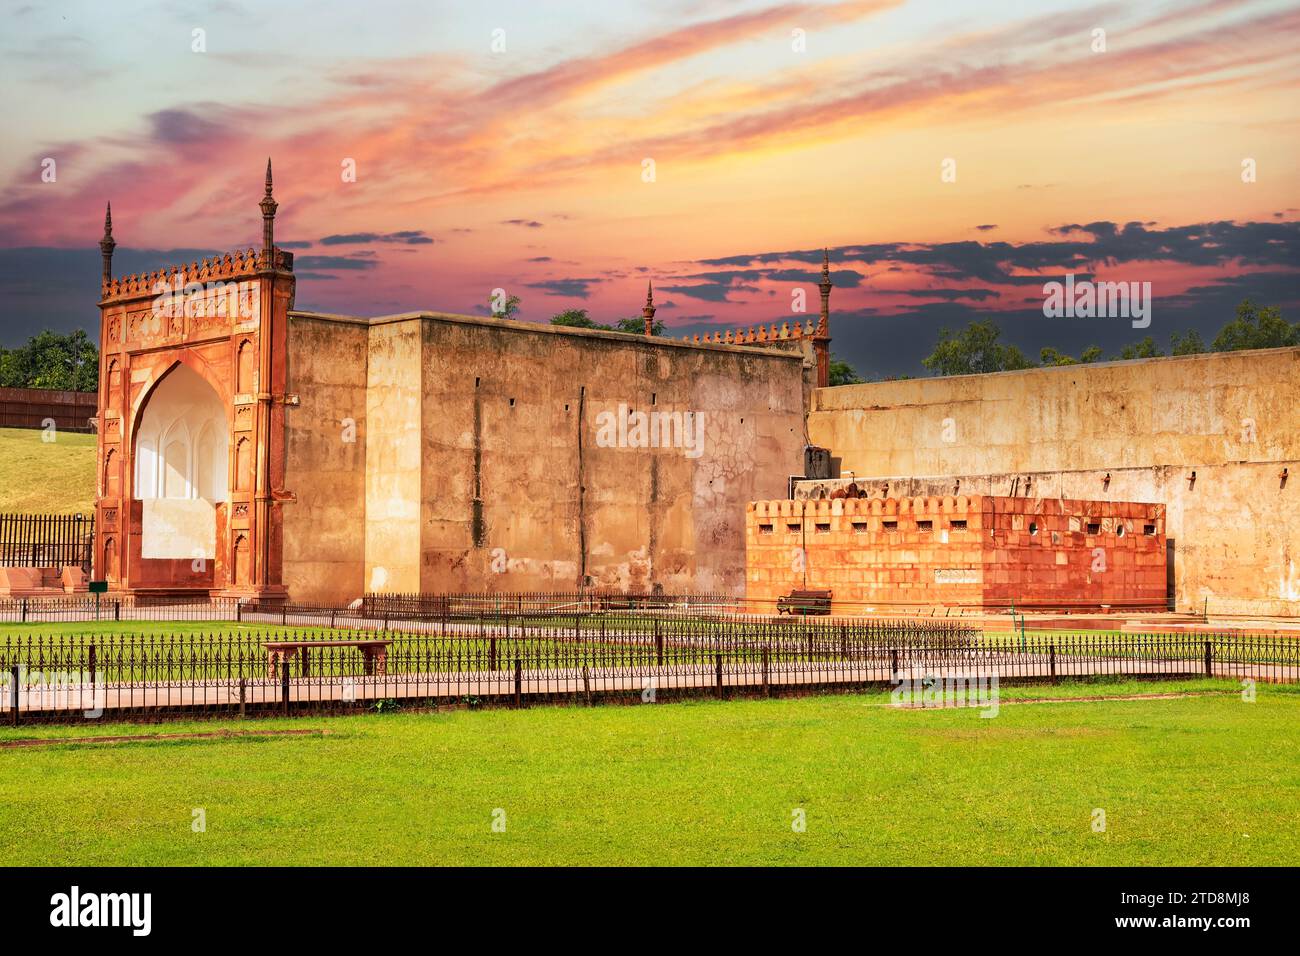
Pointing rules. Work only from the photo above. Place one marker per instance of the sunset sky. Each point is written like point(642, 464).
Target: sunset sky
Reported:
point(775, 129)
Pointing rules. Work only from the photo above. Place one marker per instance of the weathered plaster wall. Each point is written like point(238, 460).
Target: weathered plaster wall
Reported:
point(480, 463)
point(520, 491)
point(1230, 418)
point(324, 526)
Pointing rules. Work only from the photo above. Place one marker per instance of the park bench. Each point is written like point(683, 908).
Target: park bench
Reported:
point(374, 653)
point(804, 602)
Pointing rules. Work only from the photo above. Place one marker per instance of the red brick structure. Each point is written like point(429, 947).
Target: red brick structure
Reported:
point(191, 410)
point(886, 554)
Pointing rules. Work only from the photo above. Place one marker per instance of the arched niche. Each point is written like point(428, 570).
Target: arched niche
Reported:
point(181, 464)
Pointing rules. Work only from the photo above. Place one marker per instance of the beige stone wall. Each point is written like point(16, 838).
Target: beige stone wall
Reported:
point(1230, 418)
point(520, 494)
point(482, 465)
point(324, 541)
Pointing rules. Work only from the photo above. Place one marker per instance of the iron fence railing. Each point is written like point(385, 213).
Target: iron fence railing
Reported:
point(46, 540)
point(512, 662)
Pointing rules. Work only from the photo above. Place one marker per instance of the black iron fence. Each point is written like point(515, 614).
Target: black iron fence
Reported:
point(294, 671)
point(46, 541)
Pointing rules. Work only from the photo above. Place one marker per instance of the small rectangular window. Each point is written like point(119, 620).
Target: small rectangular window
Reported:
point(889, 525)
point(925, 526)
point(1149, 530)
point(1094, 527)
point(859, 527)
point(959, 526)
point(765, 529)
point(823, 528)
point(792, 527)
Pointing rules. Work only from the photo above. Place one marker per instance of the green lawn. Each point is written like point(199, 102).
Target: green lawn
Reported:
point(56, 477)
point(1206, 779)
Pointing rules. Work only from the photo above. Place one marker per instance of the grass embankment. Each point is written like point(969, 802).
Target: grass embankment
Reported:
point(39, 477)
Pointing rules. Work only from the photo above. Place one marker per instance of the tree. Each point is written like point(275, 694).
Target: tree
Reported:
point(1147, 348)
point(50, 360)
point(636, 326)
point(1050, 356)
point(508, 308)
point(973, 351)
point(575, 319)
point(1256, 328)
point(1091, 354)
point(842, 373)
point(1187, 344)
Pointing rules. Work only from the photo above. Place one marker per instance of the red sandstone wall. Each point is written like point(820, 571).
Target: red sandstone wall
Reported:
point(883, 554)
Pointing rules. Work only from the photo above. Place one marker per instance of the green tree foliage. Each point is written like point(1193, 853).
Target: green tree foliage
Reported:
point(1256, 328)
point(636, 326)
point(1091, 354)
point(579, 319)
point(842, 373)
point(574, 319)
point(1050, 356)
point(1147, 348)
point(508, 308)
point(1187, 344)
point(974, 351)
point(50, 360)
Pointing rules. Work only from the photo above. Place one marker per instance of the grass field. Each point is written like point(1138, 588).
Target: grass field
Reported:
point(56, 477)
point(1201, 779)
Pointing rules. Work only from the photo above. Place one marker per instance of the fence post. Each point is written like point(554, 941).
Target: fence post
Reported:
point(519, 684)
point(492, 653)
point(767, 690)
point(239, 611)
point(242, 697)
point(1052, 660)
point(1209, 657)
point(13, 695)
point(586, 684)
point(893, 663)
point(117, 610)
point(284, 682)
point(659, 645)
point(91, 664)
point(717, 665)
point(24, 610)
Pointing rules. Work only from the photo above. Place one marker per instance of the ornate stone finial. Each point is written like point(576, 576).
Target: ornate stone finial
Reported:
point(268, 206)
point(107, 245)
point(824, 321)
point(822, 334)
point(649, 311)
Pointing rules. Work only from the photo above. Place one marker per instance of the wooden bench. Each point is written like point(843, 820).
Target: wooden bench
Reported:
point(374, 653)
point(804, 602)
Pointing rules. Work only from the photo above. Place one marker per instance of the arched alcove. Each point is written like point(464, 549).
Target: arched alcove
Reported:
point(181, 466)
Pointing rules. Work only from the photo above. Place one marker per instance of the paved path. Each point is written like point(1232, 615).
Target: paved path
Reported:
point(573, 683)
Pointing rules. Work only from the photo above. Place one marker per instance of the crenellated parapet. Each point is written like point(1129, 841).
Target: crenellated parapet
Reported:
point(757, 335)
point(236, 265)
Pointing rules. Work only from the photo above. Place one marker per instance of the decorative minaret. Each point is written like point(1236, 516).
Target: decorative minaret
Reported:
point(822, 337)
point(649, 311)
point(107, 245)
point(269, 206)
